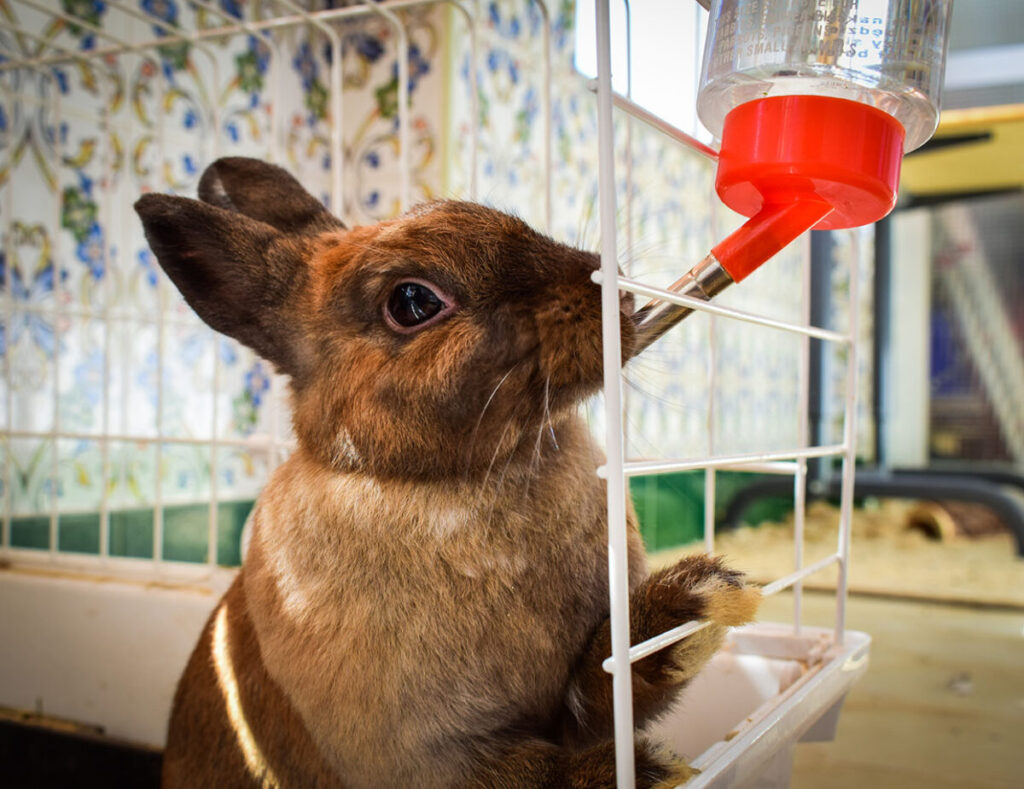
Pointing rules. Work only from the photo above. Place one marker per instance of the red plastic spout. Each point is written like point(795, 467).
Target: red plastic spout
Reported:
point(793, 163)
point(771, 229)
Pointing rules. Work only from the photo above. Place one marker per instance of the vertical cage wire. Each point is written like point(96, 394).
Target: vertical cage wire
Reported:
point(55, 252)
point(803, 405)
point(7, 405)
point(849, 439)
point(106, 184)
point(337, 195)
point(618, 560)
point(546, 101)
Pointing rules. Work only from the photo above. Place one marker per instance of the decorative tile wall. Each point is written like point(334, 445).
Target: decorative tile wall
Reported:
point(95, 341)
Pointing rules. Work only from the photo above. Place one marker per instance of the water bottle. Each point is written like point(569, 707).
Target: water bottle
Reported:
point(815, 103)
point(886, 54)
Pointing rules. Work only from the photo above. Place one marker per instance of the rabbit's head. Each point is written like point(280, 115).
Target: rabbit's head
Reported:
point(433, 344)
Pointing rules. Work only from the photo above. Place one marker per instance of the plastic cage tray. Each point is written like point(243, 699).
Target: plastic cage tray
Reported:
point(767, 689)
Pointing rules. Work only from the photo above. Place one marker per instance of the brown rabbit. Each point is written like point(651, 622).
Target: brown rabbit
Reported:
point(425, 598)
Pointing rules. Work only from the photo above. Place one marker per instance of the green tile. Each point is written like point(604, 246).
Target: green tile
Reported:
point(670, 507)
point(131, 533)
point(185, 529)
point(230, 520)
point(79, 533)
point(31, 532)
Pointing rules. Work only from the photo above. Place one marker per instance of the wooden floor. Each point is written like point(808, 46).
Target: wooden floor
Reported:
point(942, 704)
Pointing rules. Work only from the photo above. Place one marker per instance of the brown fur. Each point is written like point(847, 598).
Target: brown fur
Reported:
point(424, 601)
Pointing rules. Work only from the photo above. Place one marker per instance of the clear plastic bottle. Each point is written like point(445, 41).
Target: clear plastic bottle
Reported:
point(815, 102)
point(888, 54)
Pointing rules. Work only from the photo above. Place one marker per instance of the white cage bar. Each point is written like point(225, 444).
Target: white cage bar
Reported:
point(617, 470)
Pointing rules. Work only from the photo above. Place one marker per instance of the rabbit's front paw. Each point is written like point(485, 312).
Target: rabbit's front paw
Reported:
point(702, 587)
point(658, 768)
point(727, 598)
point(654, 767)
point(696, 588)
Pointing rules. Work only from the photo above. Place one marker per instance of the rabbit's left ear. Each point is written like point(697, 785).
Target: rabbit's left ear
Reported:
point(266, 193)
point(242, 276)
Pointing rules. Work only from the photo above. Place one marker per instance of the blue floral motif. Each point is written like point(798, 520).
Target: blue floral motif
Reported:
point(232, 7)
point(248, 402)
point(510, 28)
point(315, 93)
point(192, 348)
point(90, 12)
point(251, 67)
point(62, 85)
point(367, 47)
point(145, 258)
point(164, 10)
point(175, 56)
point(89, 377)
point(38, 329)
point(498, 59)
point(257, 382)
point(228, 352)
point(148, 376)
point(21, 322)
point(90, 251)
point(527, 113)
point(306, 65)
point(563, 24)
point(387, 95)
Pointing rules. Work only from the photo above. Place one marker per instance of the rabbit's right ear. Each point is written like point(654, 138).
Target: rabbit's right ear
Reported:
point(267, 193)
point(242, 277)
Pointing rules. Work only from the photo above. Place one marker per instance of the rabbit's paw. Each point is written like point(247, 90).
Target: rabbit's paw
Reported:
point(655, 767)
point(659, 768)
point(702, 587)
point(696, 588)
point(728, 600)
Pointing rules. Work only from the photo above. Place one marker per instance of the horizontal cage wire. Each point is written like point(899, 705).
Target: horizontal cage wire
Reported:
point(43, 48)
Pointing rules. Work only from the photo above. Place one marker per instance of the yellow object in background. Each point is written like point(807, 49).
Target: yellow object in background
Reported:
point(973, 150)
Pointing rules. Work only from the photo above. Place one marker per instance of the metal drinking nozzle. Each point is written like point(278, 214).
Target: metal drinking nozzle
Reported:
point(703, 281)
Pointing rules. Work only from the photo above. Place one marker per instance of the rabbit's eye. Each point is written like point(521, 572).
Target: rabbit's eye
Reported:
point(413, 304)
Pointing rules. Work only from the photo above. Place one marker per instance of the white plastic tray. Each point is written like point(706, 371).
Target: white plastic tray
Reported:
point(766, 690)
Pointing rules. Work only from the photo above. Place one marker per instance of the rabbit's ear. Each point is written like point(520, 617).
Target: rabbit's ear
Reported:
point(267, 193)
point(241, 276)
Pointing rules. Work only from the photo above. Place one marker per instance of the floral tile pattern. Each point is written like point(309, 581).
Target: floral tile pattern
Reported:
point(95, 341)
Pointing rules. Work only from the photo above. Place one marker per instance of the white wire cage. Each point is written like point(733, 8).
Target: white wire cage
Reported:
point(807, 670)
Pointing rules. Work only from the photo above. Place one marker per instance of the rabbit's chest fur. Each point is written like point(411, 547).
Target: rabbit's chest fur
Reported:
point(410, 622)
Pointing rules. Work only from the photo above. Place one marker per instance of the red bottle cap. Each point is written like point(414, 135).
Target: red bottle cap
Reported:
point(801, 162)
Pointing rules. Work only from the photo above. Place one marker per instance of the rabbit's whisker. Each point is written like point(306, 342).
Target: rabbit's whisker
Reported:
point(480, 419)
